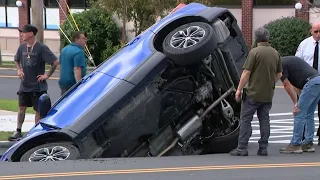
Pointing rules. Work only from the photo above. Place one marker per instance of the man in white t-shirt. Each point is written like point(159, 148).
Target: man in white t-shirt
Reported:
point(308, 50)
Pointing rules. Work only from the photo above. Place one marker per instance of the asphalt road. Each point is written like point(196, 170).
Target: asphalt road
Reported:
point(10, 85)
point(207, 167)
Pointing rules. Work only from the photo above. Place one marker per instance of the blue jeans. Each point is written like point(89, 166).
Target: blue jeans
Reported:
point(307, 104)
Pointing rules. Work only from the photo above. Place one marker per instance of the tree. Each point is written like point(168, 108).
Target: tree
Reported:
point(287, 33)
point(103, 33)
point(122, 8)
point(142, 13)
point(145, 14)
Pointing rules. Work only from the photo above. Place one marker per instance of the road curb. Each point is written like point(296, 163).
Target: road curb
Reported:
point(6, 144)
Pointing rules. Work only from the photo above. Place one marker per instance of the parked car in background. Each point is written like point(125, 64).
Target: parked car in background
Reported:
point(170, 91)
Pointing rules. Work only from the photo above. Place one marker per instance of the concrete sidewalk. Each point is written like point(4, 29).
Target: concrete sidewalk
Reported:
point(8, 122)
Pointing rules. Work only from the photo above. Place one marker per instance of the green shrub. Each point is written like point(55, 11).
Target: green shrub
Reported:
point(287, 33)
point(103, 33)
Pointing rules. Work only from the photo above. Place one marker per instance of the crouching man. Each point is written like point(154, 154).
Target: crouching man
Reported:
point(300, 78)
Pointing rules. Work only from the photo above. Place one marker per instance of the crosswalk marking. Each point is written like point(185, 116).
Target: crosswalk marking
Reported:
point(281, 131)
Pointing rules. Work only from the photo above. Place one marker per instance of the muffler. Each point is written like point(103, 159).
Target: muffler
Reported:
point(189, 128)
point(194, 124)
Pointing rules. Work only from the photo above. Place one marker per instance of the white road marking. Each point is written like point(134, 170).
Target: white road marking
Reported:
point(282, 114)
point(281, 129)
point(274, 136)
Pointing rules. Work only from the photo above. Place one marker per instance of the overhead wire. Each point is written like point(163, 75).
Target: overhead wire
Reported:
point(58, 25)
point(86, 52)
point(65, 15)
point(63, 32)
point(86, 47)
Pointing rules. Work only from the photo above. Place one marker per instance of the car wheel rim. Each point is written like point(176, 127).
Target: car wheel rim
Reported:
point(187, 37)
point(55, 153)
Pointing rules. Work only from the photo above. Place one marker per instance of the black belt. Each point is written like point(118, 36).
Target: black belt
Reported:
point(313, 76)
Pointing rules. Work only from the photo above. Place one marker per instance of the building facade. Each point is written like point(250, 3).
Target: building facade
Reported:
point(250, 14)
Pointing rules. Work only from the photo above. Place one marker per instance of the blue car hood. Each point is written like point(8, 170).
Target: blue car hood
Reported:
point(83, 97)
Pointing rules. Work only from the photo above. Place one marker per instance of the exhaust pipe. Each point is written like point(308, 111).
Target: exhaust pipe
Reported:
point(195, 122)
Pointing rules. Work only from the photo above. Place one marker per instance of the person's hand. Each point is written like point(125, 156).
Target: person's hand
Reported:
point(20, 73)
point(238, 95)
point(295, 109)
point(42, 77)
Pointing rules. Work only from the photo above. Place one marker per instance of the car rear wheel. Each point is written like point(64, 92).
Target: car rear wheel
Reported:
point(52, 152)
point(224, 144)
point(190, 43)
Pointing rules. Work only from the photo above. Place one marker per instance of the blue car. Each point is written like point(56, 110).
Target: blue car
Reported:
point(170, 91)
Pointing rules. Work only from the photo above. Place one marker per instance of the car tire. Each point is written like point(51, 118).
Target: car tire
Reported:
point(224, 144)
point(192, 53)
point(71, 152)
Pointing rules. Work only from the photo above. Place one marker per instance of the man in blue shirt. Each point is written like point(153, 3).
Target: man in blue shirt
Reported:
point(73, 62)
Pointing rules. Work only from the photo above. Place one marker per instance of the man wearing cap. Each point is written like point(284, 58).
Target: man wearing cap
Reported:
point(30, 61)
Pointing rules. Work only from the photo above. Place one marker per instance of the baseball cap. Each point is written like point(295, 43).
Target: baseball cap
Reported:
point(29, 28)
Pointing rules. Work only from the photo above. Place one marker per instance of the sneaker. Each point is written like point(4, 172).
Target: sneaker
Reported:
point(308, 147)
point(239, 152)
point(291, 149)
point(16, 136)
point(262, 152)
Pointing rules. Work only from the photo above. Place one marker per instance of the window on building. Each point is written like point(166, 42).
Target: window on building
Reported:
point(9, 14)
point(228, 2)
point(51, 14)
point(315, 3)
point(12, 17)
point(274, 2)
point(3, 22)
point(11, 3)
point(79, 4)
point(51, 3)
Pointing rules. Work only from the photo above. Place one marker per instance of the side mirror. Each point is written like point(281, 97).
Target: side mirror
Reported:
point(44, 105)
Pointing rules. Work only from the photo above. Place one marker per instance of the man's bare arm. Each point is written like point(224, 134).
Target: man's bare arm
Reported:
point(298, 91)
point(53, 68)
point(17, 65)
point(244, 79)
point(77, 73)
point(279, 75)
point(290, 90)
point(19, 70)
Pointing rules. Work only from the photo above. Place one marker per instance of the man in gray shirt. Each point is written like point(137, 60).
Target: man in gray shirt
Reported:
point(30, 61)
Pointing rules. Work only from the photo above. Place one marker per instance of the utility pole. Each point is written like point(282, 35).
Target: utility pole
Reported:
point(37, 17)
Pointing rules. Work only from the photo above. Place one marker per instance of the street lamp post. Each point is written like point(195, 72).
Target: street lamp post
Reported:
point(298, 6)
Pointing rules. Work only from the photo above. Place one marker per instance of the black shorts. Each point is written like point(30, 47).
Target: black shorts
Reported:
point(29, 99)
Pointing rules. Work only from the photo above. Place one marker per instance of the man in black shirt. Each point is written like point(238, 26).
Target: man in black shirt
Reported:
point(30, 60)
point(299, 77)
